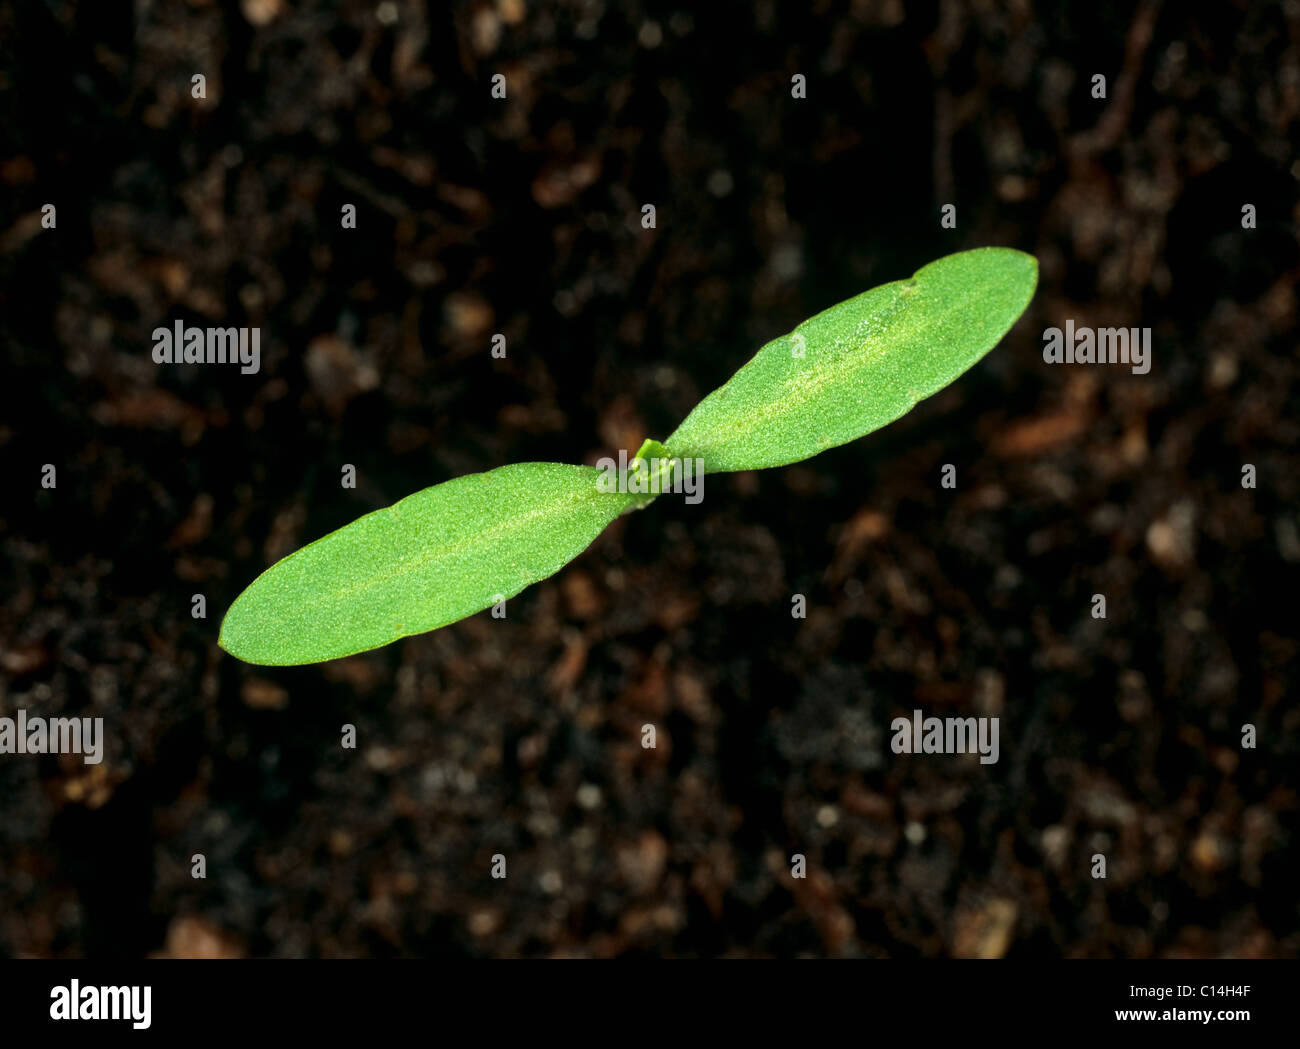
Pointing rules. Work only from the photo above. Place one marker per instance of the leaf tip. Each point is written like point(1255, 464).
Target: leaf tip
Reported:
point(229, 637)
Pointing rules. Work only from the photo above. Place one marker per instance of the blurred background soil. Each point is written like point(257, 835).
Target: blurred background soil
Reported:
point(522, 736)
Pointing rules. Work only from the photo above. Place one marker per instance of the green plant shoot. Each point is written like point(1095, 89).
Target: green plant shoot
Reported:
point(460, 547)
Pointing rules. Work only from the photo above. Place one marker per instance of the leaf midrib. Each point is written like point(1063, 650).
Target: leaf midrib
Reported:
point(445, 551)
point(839, 365)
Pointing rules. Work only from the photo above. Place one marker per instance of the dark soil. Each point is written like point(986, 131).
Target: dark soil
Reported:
point(1120, 737)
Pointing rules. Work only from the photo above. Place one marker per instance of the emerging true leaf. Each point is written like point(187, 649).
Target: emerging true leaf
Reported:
point(859, 365)
point(435, 557)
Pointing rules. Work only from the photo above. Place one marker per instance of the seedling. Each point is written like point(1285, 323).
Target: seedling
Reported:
point(460, 547)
